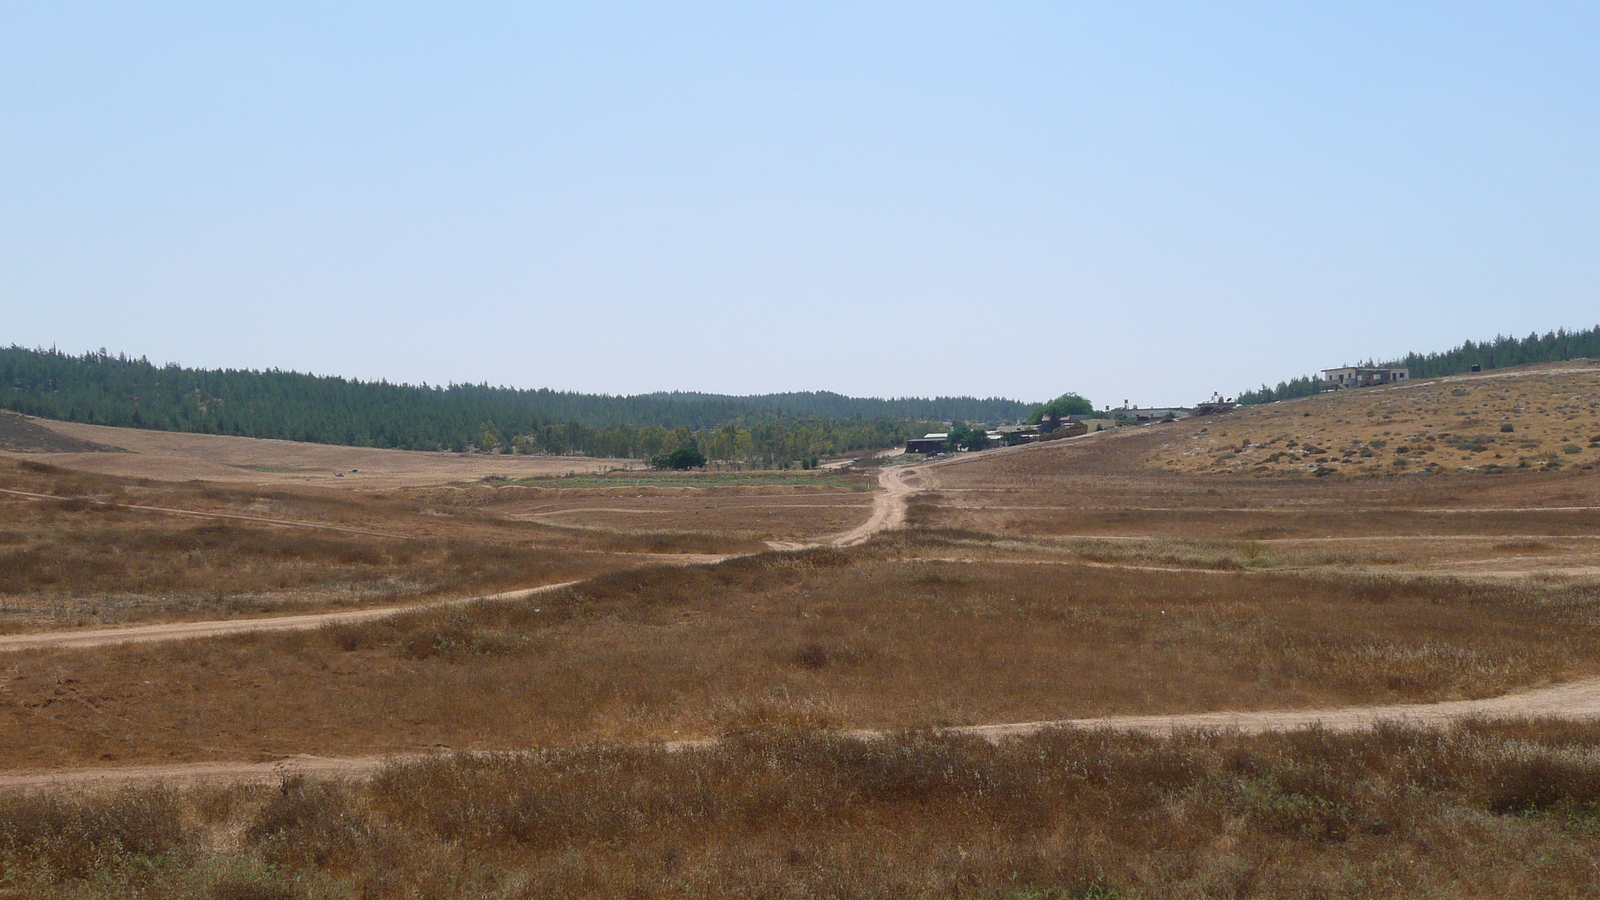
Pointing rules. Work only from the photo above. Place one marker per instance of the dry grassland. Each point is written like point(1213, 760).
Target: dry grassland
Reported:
point(821, 638)
point(1095, 500)
point(1479, 811)
point(1104, 576)
point(174, 456)
point(99, 550)
point(759, 506)
point(1541, 417)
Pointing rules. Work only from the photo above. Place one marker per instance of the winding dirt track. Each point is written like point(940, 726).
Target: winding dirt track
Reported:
point(888, 506)
point(176, 631)
point(1579, 700)
point(888, 511)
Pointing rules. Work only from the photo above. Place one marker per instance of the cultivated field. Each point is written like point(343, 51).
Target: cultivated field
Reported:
point(702, 714)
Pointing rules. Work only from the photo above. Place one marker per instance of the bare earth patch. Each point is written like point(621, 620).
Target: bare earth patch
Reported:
point(172, 456)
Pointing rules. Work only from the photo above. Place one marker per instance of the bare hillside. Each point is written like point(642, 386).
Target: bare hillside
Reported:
point(176, 456)
point(1537, 418)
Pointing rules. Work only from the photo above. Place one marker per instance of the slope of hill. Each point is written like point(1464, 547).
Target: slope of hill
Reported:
point(1536, 418)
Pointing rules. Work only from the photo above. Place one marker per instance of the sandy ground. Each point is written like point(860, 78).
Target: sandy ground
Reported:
point(170, 456)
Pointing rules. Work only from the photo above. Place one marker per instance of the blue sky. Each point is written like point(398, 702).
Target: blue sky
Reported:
point(1133, 201)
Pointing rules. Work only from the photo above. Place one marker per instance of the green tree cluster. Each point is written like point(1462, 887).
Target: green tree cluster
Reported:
point(1063, 406)
point(1303, 386)
point(778, 429)
point(1503, 351)
point(967, 437)
point(686, 457)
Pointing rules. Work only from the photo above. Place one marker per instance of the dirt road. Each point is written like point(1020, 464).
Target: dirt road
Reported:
point(1578, 700)
point(175, 631)
point(888, 511)
point(898, 483)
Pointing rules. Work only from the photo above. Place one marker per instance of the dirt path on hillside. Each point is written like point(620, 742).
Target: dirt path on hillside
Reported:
point(888, 511)
point(1578, 700)
point(175, 631)
point(1271, 510)
point(899, 483)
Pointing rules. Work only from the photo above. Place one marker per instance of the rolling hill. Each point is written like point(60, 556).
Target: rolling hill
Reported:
point(1535, 418)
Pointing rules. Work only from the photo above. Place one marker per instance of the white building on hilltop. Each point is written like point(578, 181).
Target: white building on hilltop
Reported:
point(1361, 376)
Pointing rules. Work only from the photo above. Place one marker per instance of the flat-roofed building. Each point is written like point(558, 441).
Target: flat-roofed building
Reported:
point(1362, 376)
point(932, 442)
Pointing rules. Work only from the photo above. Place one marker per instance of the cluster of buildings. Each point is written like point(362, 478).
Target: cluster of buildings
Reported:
point(1054, 427)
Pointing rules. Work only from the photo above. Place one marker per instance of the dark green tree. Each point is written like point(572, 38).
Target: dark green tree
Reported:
point(976, 439)
point(1064, 405)
point(776, 429)
point(686, 457)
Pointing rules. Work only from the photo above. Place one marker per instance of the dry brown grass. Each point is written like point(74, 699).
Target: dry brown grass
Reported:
point(1538, 417)
point(823, 638)
point(1057, 582)
point(91, 555)
point(176, 457)
point(1098, 493)
point(772, 506)
point(1480, 810)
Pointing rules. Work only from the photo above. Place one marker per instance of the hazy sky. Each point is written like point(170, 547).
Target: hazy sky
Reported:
point(1134, 201)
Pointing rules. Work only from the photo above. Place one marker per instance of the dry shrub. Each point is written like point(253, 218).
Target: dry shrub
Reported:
point(679, 542)
point(253, 884)
point(39, 468)
point(774, 713)
point(312, 824)
point(452, 634)
point(51, 837)
point(818, 638)
point(1486, 809)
